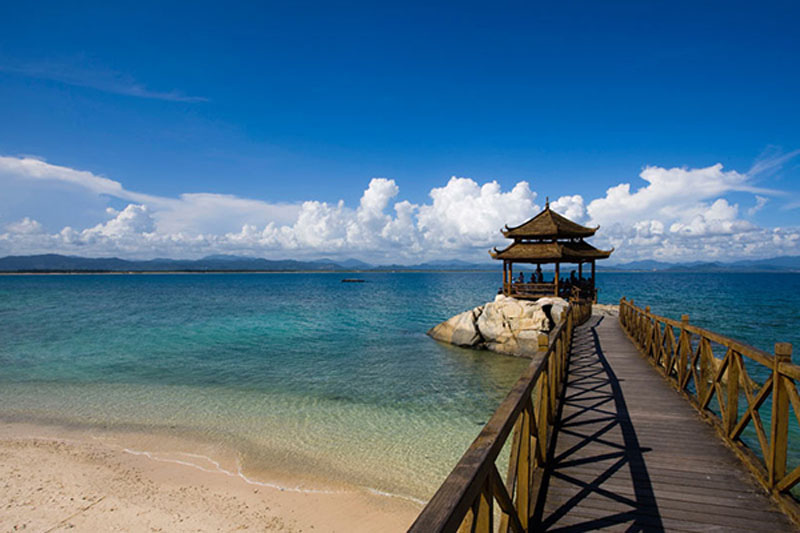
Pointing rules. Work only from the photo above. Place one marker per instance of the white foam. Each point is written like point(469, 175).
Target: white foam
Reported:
point(393, 495)
point(218, 469)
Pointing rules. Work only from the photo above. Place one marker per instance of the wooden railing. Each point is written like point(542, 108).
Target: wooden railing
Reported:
point(727, 392)
point(530, 289)
point(466, 498)
point(539, 290)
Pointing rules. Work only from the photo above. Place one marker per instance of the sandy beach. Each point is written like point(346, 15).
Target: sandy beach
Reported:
point(58, 480)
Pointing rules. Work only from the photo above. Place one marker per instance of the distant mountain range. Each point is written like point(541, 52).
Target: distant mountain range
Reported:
point(787, 263)
point(211, 263)
point(232, 263)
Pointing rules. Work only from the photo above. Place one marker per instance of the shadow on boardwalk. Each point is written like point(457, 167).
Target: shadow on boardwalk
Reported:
point(592, 408)
point(630, 454)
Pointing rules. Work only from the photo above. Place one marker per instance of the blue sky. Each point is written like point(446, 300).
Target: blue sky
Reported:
point(276, 113)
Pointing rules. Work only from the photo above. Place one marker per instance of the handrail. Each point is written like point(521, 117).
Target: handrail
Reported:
point(534, 286)
point(466, 498)
point(690, 366)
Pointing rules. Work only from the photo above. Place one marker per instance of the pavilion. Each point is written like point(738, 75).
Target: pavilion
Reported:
point(549, 238)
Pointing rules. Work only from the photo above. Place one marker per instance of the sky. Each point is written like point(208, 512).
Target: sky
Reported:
point(398, 132)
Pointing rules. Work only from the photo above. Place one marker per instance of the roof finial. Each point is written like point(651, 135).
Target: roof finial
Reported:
point(547, 202)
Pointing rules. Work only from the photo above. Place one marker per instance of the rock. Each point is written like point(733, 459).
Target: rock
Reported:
point(506, 325)
point(460, 330)
point(605, 310)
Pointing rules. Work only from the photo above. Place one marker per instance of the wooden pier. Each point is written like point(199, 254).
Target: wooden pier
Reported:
point(632, 424)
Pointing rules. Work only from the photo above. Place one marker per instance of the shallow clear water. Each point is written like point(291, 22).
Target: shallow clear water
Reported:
point(303, 373)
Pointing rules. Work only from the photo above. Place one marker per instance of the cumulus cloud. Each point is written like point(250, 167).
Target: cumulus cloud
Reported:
point(466, 214)
point(669, 193)
point(463, 216)
point(719, 219)
point(676, 214)
point(571, 207)
point(26, 226)
point(682, 214)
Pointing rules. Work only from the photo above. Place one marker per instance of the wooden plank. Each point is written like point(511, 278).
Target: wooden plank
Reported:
point(698, 514)
point(637, 521)
point(631, 452)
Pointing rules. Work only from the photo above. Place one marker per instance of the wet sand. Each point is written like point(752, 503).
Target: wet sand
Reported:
point(55, 480)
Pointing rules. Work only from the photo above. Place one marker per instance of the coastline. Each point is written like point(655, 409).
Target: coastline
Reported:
point(58, 479)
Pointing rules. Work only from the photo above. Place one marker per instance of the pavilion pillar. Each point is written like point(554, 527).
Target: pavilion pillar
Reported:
point(555, 280)
point(510, 277)
point(505, 277)
point(594, 291)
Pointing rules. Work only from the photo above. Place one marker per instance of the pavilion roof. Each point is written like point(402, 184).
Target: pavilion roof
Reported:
point(548, 252)
point(548, 224)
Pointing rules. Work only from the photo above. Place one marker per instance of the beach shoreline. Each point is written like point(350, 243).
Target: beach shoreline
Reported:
point(56, 479)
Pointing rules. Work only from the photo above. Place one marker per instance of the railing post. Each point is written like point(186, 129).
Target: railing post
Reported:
point(543, 340)
point(685, 347)
point(732, 409)
point(648, 329)
point(779, 426)
point(484, 509)
point(524, 466)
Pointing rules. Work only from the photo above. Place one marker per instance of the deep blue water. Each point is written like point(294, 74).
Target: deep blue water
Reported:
point(300, 372)
point(758, 309)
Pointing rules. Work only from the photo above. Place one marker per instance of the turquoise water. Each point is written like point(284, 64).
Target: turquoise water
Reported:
point(300, 372)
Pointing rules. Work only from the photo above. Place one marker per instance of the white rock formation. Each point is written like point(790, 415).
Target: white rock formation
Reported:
point(506, 325)
point(460, 330)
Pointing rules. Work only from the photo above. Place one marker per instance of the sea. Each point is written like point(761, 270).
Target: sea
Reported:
point(299, 375)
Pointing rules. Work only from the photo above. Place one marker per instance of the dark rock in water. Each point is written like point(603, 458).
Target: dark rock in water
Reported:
point(353, 280)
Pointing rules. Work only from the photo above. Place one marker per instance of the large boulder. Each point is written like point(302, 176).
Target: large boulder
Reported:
point(506, 325)
point(460, 330)
point(553, 306)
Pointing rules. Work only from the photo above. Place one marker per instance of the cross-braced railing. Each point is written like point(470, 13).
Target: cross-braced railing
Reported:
point(737, 391)
point(466, 498)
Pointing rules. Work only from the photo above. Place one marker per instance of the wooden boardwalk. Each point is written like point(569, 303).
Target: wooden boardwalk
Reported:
point(631, 454)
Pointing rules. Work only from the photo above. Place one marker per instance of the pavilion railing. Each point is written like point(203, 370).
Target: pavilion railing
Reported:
point(466, 498)
point(539, 290)
point(531, 289)
point(727, 391)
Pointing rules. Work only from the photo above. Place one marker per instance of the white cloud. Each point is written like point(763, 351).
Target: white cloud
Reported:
point(677, 214)
point(37, 169)
point(771, 161)
point(132, 220)
point(26, 226)
point(190, 212)
point(669, 193)
point(571, 207)
point(466, 214)
point(682, 214)
point(761, 201)
point(718, 219)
